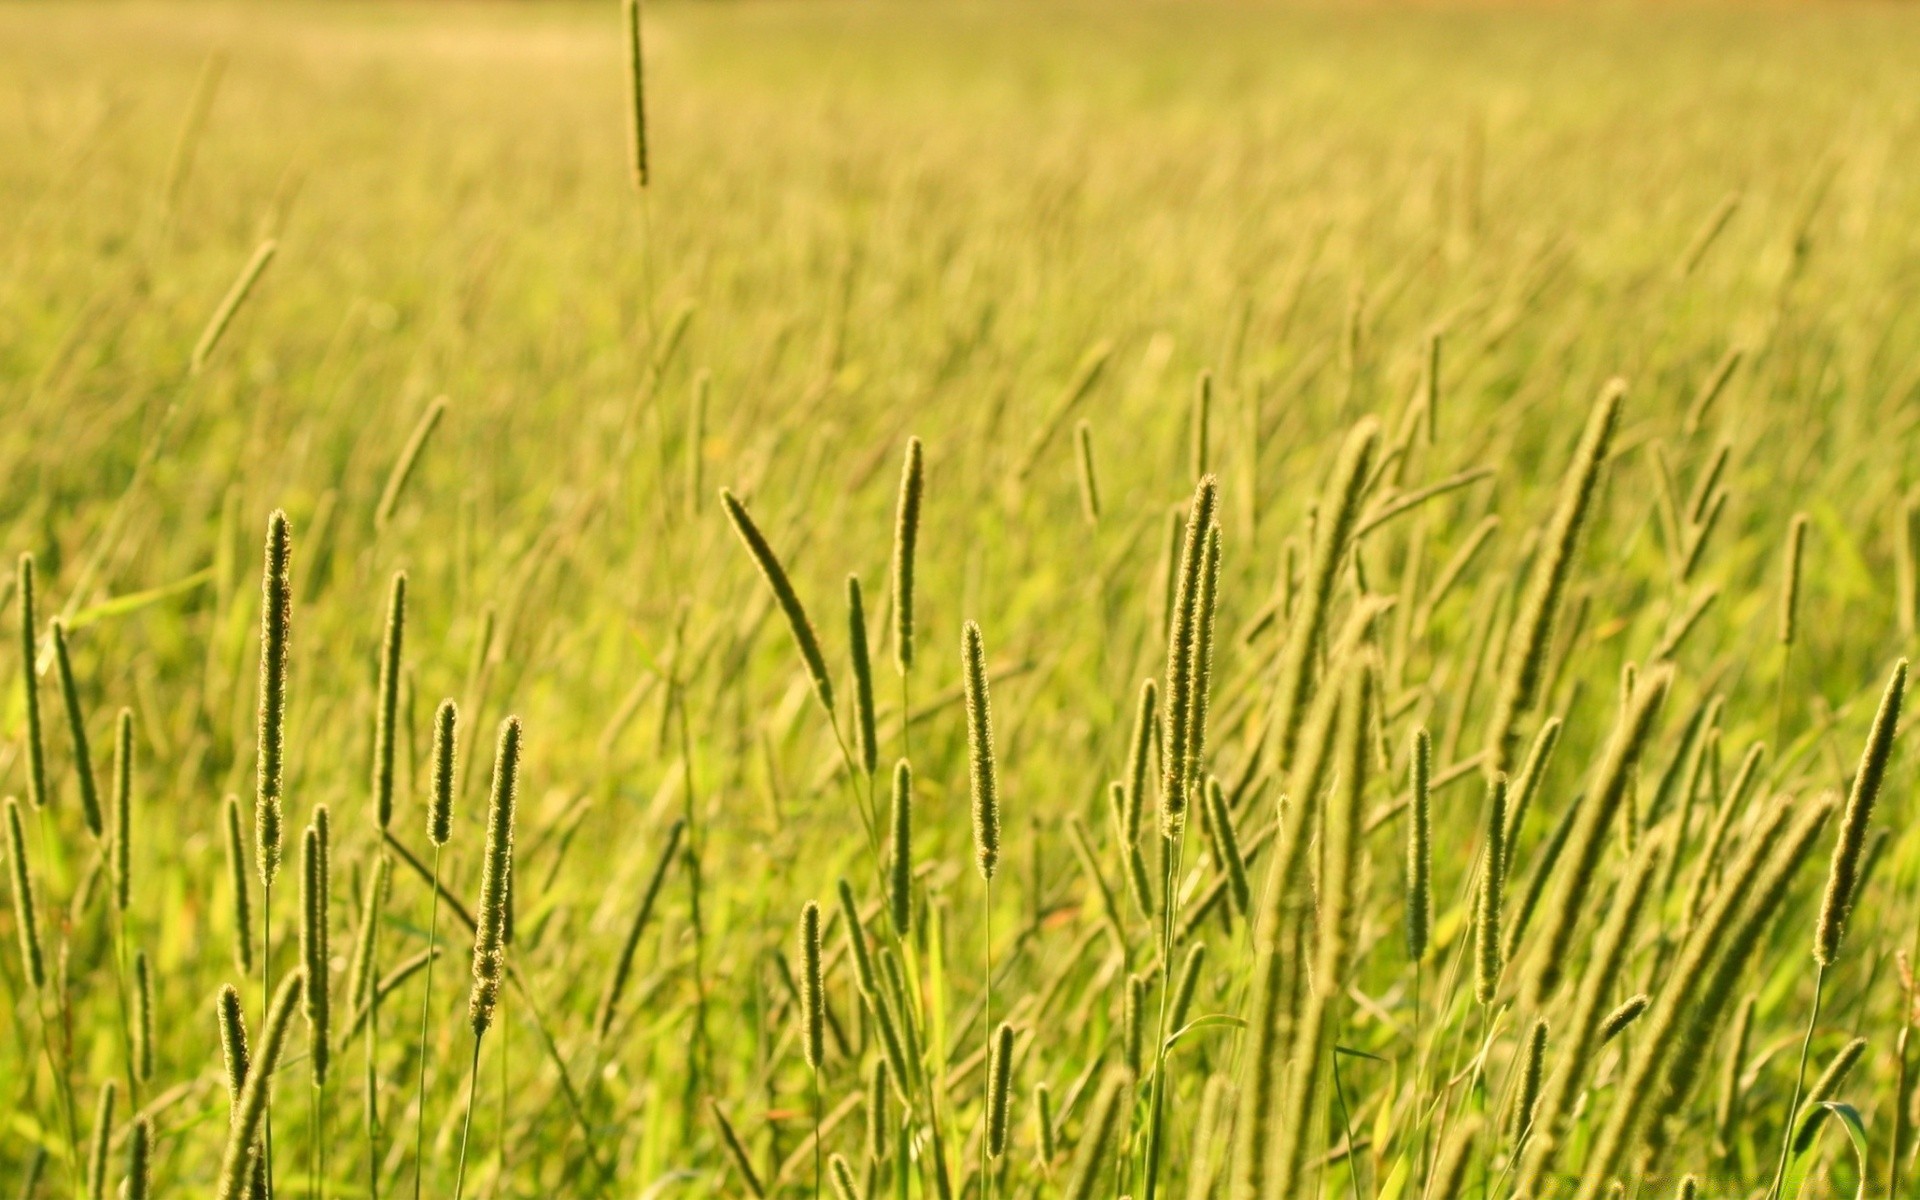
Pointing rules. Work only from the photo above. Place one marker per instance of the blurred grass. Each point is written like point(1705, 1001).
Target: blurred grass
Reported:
point(892, 219)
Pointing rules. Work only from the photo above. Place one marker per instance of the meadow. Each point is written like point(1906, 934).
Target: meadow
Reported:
point(1145, 599)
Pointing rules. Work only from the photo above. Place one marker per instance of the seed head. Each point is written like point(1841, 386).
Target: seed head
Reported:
point(981, 771)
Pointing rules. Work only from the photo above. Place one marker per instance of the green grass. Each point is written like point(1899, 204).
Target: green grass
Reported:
point(879, 220)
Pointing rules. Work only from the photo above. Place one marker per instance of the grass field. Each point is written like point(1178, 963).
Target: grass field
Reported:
point(1490, 659)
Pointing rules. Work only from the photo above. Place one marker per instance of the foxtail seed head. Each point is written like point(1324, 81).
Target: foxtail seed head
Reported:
point(360, 968)
point(233, 1041)
point(1133, 1020)
point(139, 1159)
point(1843, 875)
point(1524, 664)
point(1227, 841)
point(776, 576)
point(496, 876)
point(241, 885)
point(906, 540)
point(1089, 480)
point(386, 720)
point(1420, 848)
point(636, 97)
point(122, 839)
point(1627, 1013)
point(1338, 513)
point(1596, 814)
point(1182, 641)
point(1139, 756)
point(1202, 687)
point(142, 1017)
point(316, 955)
point(878, 1135)
point(77, 730)
point(981, 771)
point(26, 913)
point(1526, 1093)
point(813, 997)
point(857, 940)
point(1790, 579)
point(236, 1163)
point(1486, 925)
point(102, 1140)
point(30, 687)
point(900, 859)
point(276, 619)
point(445, 754)
point(1043, 1124)
point(840, 1171)
point(999, 1088)
point(868, 746)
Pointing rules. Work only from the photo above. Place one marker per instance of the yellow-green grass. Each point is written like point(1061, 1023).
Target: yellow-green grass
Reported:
point(867, 221)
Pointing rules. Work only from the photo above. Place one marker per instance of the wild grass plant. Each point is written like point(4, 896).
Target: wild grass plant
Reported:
point(1394, 530)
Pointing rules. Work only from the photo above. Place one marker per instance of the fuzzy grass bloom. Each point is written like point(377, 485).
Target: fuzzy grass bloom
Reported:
point(1843, 874)
point(1487, 956)
point(386, 720)
point(26, 912)
point(30, 685)
point(102, 1140)
point(813, 1003)
point(316, 954)
point(249, 1112)
point(900, 850)
point(982, 775)
point(867, 743)
point(1419, 887)
point(906, 543)
point(1524, 663)
point(120, 843)
point(1339, 511)
point(1596, 815)
point(276, 620)
point(999, 1087)
point(77, 731)
point(798, 624)
point(1182, 654)
point(496, 876)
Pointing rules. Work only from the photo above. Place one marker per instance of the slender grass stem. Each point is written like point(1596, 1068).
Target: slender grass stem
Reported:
point(986, 1023)
point(373, 1043)
point(266, 1001)
point(1799, 1080)
point(1173, 856)
point(466, 1126)
point(426, 1011)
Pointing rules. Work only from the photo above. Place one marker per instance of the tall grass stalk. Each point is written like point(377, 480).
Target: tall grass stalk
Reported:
point(983, 779)
point(30, 685)
point(229, 306)
point(1843, 879)
point(276, 619)
point(1524, 662)
point(249, 1111)
point(489, 934)
point(1339, 511)
point(1714, 953)
point(906, 543)
point(1334, 928)
point(439, 830)
point(1598, 811)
